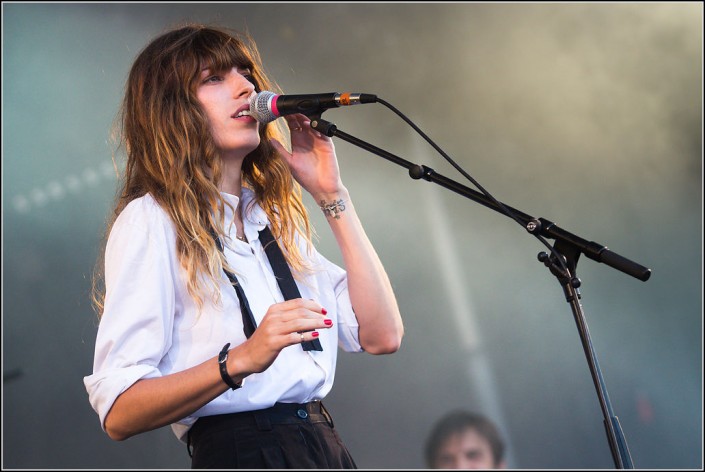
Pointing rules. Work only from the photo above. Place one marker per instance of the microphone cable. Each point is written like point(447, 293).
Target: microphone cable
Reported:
point(499, 204)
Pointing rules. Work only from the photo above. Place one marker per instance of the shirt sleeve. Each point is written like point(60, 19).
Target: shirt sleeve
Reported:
point(348, 326)
point(135, 330)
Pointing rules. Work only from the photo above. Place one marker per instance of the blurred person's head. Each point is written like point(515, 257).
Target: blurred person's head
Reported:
point(464, 440)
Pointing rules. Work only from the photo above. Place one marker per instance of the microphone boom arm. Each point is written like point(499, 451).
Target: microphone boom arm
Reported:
point(546, 228)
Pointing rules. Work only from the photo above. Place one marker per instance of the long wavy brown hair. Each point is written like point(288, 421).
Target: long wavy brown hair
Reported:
point(172, 156)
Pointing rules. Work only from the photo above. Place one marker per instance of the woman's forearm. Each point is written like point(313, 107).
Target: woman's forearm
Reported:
point(371, 293)
point(155, 402)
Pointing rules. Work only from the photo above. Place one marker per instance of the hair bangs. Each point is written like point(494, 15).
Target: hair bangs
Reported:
point(220, 52)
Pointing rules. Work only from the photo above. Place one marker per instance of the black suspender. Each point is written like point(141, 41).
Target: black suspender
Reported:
point(285, 280)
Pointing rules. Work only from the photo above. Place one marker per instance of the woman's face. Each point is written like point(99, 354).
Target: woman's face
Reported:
point(224, 96)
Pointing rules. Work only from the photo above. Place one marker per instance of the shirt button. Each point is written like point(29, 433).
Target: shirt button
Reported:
point(301, 413)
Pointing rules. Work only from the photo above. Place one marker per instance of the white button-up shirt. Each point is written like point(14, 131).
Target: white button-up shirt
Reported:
point(152, 327)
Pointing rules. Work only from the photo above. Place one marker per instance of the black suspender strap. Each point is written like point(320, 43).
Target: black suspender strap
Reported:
point(286, 281)
point(248, 320)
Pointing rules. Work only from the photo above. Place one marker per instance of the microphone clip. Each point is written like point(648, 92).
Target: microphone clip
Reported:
point(322, 126)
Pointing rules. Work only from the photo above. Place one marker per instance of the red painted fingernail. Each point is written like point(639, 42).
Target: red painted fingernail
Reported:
point(328, 322)
point(314, 334)
point(324, 311)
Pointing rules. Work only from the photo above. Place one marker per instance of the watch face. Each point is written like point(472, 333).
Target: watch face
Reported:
point(223, 355)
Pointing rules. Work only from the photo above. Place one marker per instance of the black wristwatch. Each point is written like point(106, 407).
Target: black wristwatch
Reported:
point(222, 359)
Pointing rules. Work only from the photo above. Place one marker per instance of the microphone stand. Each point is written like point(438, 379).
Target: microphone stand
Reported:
point(567, 246)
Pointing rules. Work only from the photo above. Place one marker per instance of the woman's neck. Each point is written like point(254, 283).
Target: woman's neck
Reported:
point(231, 182)
point(231, 178)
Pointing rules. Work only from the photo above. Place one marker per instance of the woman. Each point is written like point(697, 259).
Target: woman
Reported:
point(186, 268)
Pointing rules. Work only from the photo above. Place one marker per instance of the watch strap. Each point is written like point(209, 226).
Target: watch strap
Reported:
point(222, 359)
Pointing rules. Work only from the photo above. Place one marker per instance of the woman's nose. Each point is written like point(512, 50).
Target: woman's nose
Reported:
point(242, 86)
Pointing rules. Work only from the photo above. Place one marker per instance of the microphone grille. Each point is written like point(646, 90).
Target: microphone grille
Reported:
point(260, 108)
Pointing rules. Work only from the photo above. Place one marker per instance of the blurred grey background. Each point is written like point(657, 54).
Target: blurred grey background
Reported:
point(586, 114)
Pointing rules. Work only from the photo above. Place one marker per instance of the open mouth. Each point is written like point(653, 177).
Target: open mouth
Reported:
point(241, 113)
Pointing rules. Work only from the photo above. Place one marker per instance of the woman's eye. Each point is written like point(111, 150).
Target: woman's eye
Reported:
point(247, 74)
point(251, 79)
point(212, 79)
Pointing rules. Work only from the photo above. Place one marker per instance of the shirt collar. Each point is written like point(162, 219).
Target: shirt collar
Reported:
point(254, 217)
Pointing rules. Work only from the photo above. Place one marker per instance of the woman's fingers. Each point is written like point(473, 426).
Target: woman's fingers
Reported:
point(299, 338)
point(285, 324)
point(295, 316)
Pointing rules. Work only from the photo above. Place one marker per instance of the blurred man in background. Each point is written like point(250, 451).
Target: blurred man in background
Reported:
point(465, 440)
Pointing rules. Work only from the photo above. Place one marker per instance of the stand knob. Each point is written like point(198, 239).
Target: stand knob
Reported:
point(534, 226)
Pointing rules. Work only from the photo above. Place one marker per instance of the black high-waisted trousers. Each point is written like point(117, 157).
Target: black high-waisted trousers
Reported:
point(285, 436)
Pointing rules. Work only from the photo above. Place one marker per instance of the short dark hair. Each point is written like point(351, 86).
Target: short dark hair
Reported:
point(458, 421)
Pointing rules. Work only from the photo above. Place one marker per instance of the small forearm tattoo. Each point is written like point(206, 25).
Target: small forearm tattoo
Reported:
point(334, 208)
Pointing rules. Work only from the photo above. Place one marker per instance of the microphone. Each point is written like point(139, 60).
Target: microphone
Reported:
point(267, 106)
